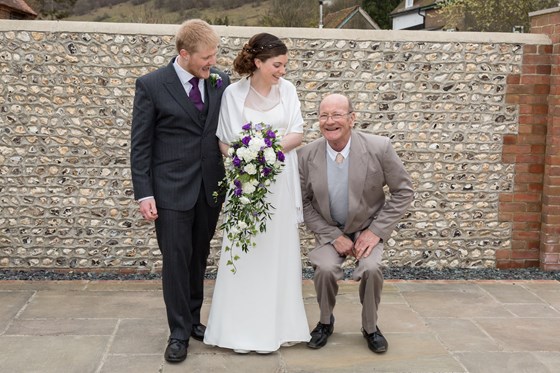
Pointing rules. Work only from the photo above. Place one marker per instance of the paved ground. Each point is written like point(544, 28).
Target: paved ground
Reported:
point(431, 326)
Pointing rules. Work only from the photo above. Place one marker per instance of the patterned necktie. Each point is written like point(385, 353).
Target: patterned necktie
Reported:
point(195, 95)
point(339, 158)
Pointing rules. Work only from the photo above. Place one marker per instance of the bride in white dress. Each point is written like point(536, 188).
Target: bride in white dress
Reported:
point(260, 307)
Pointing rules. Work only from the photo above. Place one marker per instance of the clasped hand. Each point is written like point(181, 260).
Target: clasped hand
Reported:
point(362, 248)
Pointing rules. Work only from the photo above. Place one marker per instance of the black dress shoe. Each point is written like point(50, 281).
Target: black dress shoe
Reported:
point(197, 332)
point(376, 341)
point(320, 334)
point(176, 350)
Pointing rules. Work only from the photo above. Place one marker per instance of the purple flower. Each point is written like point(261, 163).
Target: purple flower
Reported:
point(258, 126)
point(237, 191)
point(281, 157)
point(268, 142)
point(270, 134)
point(236, 161)
point(216, 80)
point(247, 126)
point(246, 140)
point(266, 171)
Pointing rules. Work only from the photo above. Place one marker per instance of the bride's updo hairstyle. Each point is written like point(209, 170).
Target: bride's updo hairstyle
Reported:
point(262, 46)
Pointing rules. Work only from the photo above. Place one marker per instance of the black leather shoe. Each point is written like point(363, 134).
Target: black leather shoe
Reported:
point(376, 341)
point(320, 334)
point(176, 350)
point(197, 332)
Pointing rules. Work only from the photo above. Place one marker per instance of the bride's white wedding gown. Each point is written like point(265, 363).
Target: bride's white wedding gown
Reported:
point(260, 307)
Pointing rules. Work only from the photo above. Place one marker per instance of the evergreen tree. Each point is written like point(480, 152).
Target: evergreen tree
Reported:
point(380, 10)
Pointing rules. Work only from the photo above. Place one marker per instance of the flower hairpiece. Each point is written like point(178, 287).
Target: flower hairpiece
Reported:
point(260, 48)
point(216, 80)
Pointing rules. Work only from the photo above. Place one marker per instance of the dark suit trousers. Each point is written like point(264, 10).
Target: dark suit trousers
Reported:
point(184, 241)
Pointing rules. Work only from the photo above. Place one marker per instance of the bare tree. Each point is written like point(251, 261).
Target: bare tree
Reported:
point(292, 13)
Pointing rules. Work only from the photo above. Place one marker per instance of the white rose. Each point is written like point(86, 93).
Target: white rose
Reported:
point(248, 188)
point(230, 151)
point(256, 144)
point(251, 169)
point(249, 155)
point(241, 152)
point(242, 225)
point(269, 155)
point(244, 200)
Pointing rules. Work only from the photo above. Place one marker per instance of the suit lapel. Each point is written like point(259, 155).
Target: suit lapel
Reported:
point(356, 178)
point(212, 99)
point(174, 86)
point(319, 180)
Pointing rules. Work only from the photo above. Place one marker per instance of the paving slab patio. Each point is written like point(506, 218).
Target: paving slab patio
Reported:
point(432, 326)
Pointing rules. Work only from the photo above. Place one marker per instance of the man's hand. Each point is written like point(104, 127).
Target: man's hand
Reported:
point(343, 245)
point(365, 243)
point(148, 209)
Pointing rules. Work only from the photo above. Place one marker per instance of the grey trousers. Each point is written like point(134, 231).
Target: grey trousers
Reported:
point(328, 271)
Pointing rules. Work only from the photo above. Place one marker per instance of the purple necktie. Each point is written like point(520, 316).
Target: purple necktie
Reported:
point(194, 94)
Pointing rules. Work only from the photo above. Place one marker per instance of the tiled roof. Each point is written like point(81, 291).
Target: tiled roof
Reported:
point(335, 19)
point(20, 5)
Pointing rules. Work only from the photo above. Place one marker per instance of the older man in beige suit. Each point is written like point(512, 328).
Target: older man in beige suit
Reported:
point(343, 175)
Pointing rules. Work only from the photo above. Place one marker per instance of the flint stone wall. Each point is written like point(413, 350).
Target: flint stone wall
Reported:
point(65, 112)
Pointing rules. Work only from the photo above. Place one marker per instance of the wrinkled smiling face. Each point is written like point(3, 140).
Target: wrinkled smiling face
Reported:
point(199, 62)
point(272, 69)
point(335, 121)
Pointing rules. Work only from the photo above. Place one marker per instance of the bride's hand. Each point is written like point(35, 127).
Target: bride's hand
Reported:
point(291, 141)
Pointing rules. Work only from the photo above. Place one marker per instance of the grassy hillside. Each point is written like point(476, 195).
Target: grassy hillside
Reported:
point(246, 15)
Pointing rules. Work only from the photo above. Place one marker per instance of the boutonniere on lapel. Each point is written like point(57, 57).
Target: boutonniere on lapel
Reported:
point(216, 80)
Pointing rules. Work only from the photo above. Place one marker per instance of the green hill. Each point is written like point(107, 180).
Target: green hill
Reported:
point(246, 15)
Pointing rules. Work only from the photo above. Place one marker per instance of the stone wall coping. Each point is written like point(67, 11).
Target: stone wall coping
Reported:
point(544, 11)
point(283, 32)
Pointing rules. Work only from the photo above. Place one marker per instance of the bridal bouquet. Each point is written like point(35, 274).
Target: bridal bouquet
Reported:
point(253, 163)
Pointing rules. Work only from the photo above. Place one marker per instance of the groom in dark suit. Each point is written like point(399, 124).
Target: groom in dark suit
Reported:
point(343, 176)
point(176, 166)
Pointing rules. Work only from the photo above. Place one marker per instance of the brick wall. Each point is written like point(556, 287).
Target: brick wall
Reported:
point(548, 22)
point(466, 112)
point(526, 151)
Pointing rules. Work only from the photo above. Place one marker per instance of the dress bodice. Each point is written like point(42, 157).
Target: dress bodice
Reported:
point(273, 117)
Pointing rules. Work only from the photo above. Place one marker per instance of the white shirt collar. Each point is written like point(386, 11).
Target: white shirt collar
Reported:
point(345, 152)
point(185, 76)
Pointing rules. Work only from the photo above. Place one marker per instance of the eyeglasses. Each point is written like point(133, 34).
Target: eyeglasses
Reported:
point(335, 117)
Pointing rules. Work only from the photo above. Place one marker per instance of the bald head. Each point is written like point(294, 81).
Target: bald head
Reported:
point(338, 99)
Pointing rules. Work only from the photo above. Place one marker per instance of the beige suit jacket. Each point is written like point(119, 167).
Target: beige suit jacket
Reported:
point(374, 164)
